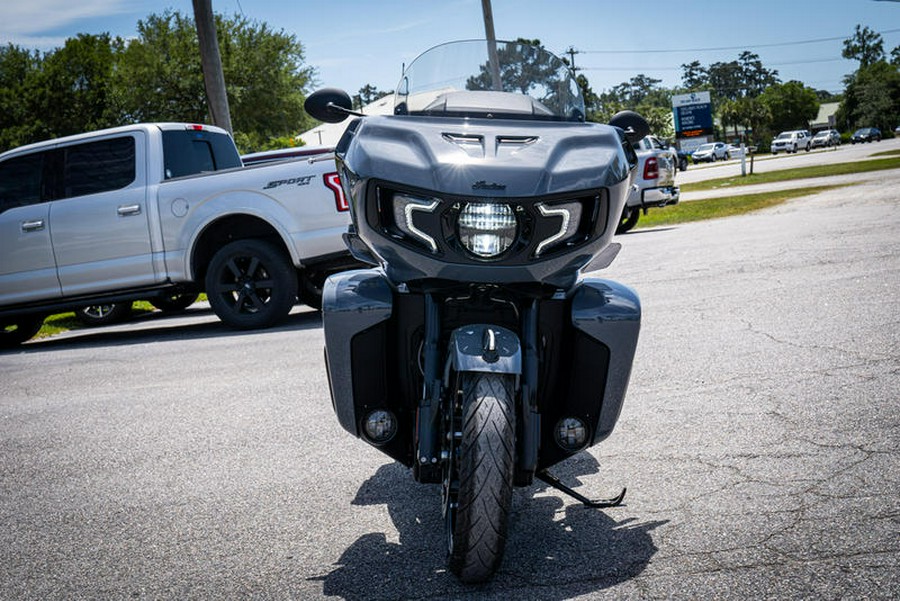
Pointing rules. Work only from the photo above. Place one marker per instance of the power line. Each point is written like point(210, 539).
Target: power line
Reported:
point(646, 68)
point(744, 47)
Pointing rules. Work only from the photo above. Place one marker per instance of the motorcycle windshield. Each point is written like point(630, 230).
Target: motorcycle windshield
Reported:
point(478, 78)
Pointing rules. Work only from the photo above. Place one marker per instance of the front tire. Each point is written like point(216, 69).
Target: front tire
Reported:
point(478, 476)
point(251, 284)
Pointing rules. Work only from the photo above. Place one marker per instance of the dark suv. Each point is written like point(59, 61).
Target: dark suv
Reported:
point(866, 134)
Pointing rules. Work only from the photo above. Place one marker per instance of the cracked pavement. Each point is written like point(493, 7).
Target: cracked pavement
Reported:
point(172, 458)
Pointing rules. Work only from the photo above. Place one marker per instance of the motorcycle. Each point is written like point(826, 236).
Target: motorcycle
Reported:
point(473, 350)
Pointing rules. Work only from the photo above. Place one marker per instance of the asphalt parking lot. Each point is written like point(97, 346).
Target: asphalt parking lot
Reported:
point(171, 458)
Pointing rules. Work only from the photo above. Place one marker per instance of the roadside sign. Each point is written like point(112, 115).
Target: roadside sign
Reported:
point(692, 115)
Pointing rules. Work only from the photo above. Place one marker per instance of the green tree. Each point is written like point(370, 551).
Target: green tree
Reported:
point(159, 73)
point(161, 78)
point(865, 46)
point(871, 98)
point(19, 69)
point(694, 77)
point(76, 89)
point(792, 105)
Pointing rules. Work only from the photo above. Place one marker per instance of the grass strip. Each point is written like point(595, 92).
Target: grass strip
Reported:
point(790, 174)
point(715, 208)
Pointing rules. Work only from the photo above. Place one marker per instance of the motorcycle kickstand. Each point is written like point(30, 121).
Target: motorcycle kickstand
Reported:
point(548, 478)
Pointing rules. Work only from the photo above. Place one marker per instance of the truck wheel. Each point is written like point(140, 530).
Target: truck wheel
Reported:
point(251, 284)
point(174, 302)
point(16, 330)
point(478, 475)
point(103, 315)
point(628, 220)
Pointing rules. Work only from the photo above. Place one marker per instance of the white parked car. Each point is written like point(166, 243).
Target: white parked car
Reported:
point(792, 141)
point(713, 151)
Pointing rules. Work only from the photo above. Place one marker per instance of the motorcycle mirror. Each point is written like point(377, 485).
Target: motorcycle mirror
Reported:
point(634, 126)
point(330, 105)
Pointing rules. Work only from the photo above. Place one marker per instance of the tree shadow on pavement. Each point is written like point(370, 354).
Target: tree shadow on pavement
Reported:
point(554, 550)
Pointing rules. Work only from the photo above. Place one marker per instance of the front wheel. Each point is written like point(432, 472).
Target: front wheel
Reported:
point(251, 284)
point(628, 220)
point(478, 474)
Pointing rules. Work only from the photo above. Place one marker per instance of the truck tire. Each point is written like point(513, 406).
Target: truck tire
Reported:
point(103, 315)
point(16, 330)
point(628, 220)
point(251, 284)
point(478, 484)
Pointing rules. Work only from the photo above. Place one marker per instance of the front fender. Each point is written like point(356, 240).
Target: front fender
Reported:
point(471, 351)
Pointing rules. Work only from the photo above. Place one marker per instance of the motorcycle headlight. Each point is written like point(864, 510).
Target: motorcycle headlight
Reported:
point(405, 208)
point(487, 229)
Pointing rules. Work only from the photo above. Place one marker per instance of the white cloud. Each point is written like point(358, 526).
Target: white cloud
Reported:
point(35, 23)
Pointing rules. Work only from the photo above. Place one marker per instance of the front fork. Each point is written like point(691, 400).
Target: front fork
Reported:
point(477, 348)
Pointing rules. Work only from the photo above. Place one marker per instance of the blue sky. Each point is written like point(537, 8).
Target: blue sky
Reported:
point(355, 42)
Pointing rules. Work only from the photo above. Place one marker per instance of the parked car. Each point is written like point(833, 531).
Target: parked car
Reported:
point(866, 134)
point(897, 131)
point(654, 182)
point(825, 139)
point(713, 151)
point(792, 141)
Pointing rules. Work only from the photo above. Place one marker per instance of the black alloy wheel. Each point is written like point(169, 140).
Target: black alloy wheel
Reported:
point(251, 284)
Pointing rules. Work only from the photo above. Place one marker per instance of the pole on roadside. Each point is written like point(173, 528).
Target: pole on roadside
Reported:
point(493, 59)
point(211, 63)
point(743, 160)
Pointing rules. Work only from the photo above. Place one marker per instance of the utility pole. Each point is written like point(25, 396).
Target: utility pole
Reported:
point(493, 59)
point(572, 52)
point(211, 62)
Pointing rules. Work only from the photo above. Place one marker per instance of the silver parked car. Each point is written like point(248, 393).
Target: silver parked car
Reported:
point(713, 151)
point(825, 139)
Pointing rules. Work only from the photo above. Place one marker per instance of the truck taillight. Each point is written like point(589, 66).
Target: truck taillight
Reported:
point(194, 127)
point(651, 168)
point(333, 183)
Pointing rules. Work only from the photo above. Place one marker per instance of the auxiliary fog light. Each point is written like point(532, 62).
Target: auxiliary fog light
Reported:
point(379, 426)
point(487, 229)
point(571, 434)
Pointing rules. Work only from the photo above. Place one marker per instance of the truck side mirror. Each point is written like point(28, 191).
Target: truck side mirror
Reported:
point(330, 105)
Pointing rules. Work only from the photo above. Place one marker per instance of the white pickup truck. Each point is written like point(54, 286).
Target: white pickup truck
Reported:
point(654, 182)
point(149, 211)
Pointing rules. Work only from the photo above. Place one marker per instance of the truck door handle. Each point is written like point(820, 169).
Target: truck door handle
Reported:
point(126, 210)
point(33, 226)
